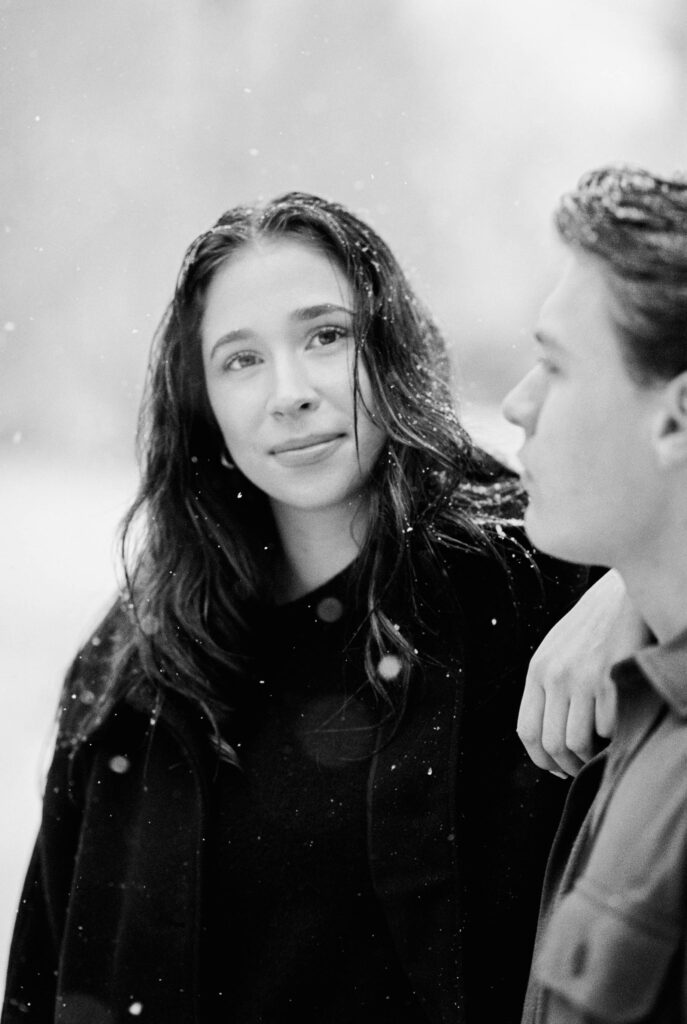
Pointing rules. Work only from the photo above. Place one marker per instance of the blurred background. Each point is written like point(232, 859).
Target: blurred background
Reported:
point(451, 125)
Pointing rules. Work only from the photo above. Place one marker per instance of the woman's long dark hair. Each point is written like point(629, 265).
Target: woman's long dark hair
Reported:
point(199, 541)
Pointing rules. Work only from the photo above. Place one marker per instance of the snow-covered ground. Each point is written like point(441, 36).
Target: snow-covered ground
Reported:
point(57, 558)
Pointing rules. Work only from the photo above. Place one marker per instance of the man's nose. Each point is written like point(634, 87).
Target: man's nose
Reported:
point(521, 404)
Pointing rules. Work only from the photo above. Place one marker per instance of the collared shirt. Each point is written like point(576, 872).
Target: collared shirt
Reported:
point(611, 942)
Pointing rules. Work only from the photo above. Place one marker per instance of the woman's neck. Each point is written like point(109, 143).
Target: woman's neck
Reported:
point(317, 544)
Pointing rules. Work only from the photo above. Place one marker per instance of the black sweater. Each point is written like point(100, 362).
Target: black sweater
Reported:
point(295, 924)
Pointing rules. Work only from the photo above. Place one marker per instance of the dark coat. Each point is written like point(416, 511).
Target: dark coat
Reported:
point(110, 922)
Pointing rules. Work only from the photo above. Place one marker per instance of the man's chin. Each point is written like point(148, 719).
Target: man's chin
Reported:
point(551, 541)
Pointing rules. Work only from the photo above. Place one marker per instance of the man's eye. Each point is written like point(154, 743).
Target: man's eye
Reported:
point(241, 361)
point(547, 365)
point(328, 336)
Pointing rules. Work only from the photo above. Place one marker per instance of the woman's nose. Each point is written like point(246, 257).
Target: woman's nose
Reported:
point(292, 390)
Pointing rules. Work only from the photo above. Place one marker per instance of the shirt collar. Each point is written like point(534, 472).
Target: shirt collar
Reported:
point(664, 666)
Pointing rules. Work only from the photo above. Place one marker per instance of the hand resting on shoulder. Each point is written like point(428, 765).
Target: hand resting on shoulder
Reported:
point(568, 705)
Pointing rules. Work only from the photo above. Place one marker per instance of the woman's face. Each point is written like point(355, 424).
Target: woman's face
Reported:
point(278, 354)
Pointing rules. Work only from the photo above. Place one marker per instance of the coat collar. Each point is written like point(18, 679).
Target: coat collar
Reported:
point(663, 667)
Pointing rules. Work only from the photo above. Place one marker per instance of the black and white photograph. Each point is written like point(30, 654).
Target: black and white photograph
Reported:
point(343, 463)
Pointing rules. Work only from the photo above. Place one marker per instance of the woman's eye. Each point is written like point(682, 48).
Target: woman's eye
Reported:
point(326, 336)
point(241, 361)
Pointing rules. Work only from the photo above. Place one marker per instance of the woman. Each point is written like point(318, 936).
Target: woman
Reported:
point(287, 783)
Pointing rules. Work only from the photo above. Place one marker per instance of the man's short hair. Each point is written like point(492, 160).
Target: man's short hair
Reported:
point(636, 224)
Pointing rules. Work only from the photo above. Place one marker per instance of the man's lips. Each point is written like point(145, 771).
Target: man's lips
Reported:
point(295, 444)
point(519, 463)
point(525, 475)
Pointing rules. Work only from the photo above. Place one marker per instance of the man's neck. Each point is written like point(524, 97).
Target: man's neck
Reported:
point(657, 586)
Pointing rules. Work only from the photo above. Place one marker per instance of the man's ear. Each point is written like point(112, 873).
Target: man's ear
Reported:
point(670, 425)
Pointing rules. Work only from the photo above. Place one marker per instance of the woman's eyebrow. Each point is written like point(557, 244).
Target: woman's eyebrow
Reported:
point(241, 334)
point(322, 309)
point(303, 313)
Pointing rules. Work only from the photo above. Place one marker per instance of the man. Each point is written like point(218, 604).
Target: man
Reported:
point(605, 463)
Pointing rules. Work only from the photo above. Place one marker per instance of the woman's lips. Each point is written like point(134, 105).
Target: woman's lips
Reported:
point(303, 451)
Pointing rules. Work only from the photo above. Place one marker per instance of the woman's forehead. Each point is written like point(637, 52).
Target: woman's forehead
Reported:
point(279, 266)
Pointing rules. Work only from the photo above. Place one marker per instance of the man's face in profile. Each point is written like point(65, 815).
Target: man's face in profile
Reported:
point(587, 456)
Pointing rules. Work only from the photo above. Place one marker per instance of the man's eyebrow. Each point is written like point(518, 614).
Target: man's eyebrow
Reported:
point(547, 340)
point(322, 309)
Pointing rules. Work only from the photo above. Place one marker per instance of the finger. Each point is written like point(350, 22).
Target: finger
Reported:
point(605, 710)
point(554, 732)
point(529, 726)
point(580, 735)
